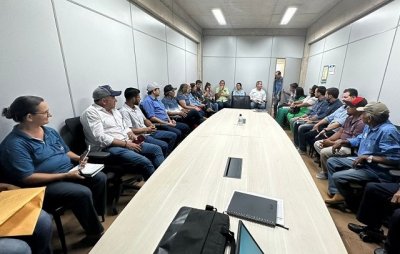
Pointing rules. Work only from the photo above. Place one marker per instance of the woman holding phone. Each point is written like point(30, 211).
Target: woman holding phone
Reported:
point(33, 154)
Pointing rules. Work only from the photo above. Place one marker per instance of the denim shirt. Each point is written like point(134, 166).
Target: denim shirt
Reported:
point(22, 155)
point(171, 104)
point(319, 107)
point(193, 101)
point(154, 108)
point(331, 107)
point(278, 83)
point(382, 140)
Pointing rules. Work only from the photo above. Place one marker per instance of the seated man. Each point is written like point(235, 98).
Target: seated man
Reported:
point(38, 242)
point(352, 127)
point(190, 117)
point(378, 200)
point(222, 95)
point(105, 130)
point(35, 155)
point(327, 126)
point(378, 151)
point(334, 103)
point(258, 97)
point(155, 111)
point(140, 125)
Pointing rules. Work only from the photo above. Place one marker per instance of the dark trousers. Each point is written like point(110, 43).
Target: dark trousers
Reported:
point(375, 206)
point(221, 105)
point(193, 118)
point(164, 139)
point(86, 199)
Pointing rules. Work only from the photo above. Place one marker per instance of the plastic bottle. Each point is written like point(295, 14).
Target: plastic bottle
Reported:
point(240, 119)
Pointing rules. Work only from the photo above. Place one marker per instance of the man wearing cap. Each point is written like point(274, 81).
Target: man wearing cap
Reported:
point(352, 127)
point(378, 152)
point(155, 111)
point(140, 125)
point(189, 116)
point(105, 130)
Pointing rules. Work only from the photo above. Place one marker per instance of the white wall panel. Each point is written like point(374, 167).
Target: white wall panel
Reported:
point(317, 47)
point(378, 21)
point(98, 51)
point(334, 57)
point(116, 9)
point(217, 68)
point(313, 70)
point(176, 65)
point(249, 71)
point(288, 46)
point(30, 59)
point(390, 88)
point(191, 46)
point(292, 72)
point(151, 57)
point(339, 38)
point(254, 46)
point(175, 38)
point(219, 46)
point(191, 67)
point(147, 24)
point(365, 64)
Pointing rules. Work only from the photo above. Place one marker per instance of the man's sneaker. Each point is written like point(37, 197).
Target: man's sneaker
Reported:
point(322, 175)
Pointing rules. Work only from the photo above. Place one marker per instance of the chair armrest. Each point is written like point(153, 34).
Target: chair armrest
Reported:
point(99, 155)
point(395, 172)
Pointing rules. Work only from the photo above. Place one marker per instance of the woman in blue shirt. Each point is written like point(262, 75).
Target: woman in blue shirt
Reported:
point(35, 155)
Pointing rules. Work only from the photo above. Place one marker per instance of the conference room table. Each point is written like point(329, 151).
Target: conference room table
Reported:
point(193, 175)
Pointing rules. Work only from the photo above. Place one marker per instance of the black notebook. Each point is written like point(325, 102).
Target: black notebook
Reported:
point(253, 208)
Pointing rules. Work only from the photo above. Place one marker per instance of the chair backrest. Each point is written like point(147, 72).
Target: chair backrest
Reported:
point(73, 136)
point(240, 102)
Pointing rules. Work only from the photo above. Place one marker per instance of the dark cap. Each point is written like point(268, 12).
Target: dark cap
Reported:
point(357, 102)
point(375, 108)
point(168, 88)
point(104, 91)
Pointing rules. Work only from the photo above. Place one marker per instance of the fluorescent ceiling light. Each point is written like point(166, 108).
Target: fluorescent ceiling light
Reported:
point(219, 16)
point(290, 11)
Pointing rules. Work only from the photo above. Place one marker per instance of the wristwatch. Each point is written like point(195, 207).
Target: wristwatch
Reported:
point(369, 159)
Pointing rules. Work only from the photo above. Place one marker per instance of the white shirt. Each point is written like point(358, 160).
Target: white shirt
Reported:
point(310, 100)
point(133, 117)
point(102, 127)
point(258, 95)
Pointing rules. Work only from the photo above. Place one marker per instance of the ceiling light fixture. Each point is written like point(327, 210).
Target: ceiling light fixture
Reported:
point(290, 11)
point(219, 16)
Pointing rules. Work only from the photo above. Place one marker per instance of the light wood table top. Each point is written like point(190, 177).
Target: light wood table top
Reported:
point(193, 176)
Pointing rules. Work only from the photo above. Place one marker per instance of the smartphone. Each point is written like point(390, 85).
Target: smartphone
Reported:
point(85, 154)
point(139, 139)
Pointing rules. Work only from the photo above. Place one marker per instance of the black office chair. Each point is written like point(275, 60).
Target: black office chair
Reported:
point(242, 102)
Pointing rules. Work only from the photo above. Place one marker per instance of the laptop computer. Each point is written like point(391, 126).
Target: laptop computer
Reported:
point(245, 241)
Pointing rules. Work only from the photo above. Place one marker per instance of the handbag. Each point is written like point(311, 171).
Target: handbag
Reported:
point(294, 110)
point(197, 231)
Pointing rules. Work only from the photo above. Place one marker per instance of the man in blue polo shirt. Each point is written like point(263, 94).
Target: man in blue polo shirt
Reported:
point(156, 112)
point(378, 152)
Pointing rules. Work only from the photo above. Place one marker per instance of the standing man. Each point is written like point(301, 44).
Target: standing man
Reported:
point(258, 97)
point(277, 90)
point(156, 113)
point(222, 95)
point(140, 125)
point(105, 130)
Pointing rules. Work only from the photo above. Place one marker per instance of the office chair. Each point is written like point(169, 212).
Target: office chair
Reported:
point(242, 102)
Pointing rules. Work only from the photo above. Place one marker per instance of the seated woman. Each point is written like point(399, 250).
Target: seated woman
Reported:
point(239, 90)
point(38, 242)
point(283, 111)
point(209, 98)
point(301, 108)
point(184, 101)
point(35, 155)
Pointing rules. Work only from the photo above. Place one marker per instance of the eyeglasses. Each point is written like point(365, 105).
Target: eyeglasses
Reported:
point(43, 113)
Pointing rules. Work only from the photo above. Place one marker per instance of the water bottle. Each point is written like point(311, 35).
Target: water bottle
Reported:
point(240, 119)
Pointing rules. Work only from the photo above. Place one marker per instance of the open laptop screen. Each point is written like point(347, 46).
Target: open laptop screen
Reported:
point(245, 242)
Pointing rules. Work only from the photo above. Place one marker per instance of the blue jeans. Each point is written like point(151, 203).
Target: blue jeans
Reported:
point(300, 135)
point(133, 160)
point(168, 137)
point(38, 242)
point(86, 198)
point(181, 130)
point(341, 173)
point(256, 105)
